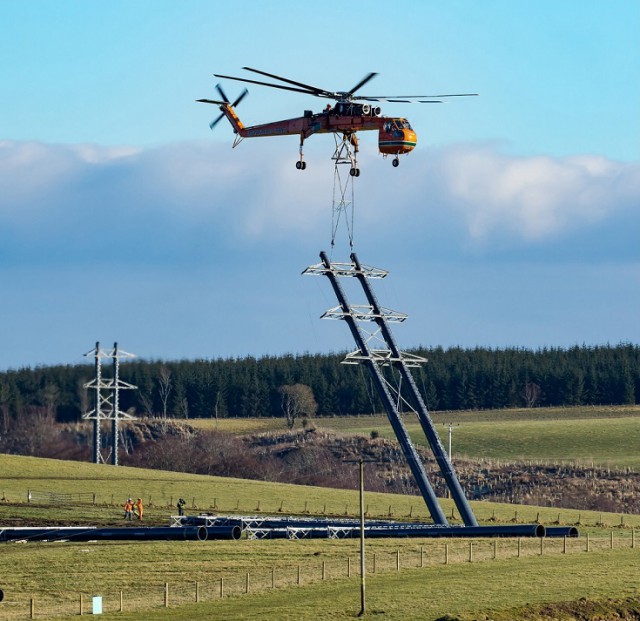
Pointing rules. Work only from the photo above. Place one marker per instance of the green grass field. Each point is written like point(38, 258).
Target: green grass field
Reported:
point(606, 436)
point(56, 574)
point(499, 583)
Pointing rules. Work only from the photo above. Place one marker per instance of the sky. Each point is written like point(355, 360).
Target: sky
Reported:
point(514, 223)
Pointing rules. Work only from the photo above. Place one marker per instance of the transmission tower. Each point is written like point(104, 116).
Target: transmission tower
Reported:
point(107, 402)
point(343, 191)
point(390, 371)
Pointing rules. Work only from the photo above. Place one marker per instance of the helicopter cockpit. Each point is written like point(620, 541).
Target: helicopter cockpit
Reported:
point(396, 124)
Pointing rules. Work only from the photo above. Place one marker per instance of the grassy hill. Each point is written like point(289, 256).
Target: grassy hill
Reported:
point(308, 579)
point(605, 436)
point(497, 580)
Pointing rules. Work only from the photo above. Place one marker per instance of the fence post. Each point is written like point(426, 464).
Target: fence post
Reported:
point(221, 587)
point(518, 547)
point(32, 608)
point(421, 556)
point(398, 560)
point(197, 592)
point(348, 567)
point(298, 579)
point(541, 546)
point(273, 577)
point(471, 551)
point(246, 583)
point(94, 498)
point(166, 595)
point(495, 549)
point(633, 538)
point(564, 545)
point(587, 548)
point(446, 553)
point(324, 570)
point(81, 611)
point(374, 562)
point(121, 602)
point(611, 538)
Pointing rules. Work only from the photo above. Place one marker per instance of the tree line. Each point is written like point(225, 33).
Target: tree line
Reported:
point(453, 379)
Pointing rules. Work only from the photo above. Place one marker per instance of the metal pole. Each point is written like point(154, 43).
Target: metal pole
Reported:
point(116, 406)
point(362, 567)
point(96, 423)
point(443, 461)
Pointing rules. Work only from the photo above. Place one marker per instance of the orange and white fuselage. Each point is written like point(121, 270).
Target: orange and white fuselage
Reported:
point(395, 135)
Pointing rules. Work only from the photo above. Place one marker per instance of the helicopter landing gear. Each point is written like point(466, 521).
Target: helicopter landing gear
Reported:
point(396, 162)
point(301, 164)
point(354, 172)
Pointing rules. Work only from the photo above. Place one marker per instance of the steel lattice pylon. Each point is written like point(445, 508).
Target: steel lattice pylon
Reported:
point(107, 401)
point(394, 396)
point(343, 191)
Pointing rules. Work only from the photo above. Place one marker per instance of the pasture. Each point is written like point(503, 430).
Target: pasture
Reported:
point(604, 436)
point(281, 579)
point(318, 579)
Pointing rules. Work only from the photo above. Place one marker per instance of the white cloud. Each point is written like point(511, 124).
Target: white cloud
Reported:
point(534, 197)
point(190, 193)
point(196, 249)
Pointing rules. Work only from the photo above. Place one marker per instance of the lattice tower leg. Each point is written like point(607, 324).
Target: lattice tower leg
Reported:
point(343, 190)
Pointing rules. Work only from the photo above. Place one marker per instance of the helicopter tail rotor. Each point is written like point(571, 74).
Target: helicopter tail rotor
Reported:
point(224, 101)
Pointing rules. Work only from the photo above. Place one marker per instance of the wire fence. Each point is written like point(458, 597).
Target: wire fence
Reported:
point(55, 498)
point(522, 514)
point(237, 583)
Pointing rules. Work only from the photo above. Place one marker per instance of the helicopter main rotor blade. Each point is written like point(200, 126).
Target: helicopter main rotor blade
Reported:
point(319, 92)
point(362, 82)
point(285, 88)
point(412, 98)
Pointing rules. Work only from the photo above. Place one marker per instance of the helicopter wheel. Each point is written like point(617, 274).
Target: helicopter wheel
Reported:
point(304, 165)
point(354, 172)
point(300, 165)
point(395, 162)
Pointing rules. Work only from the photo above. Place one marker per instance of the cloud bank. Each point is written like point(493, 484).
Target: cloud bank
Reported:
point(195, 250)
point(78, 199)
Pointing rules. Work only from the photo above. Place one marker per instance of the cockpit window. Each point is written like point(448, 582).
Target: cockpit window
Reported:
point(396, 124)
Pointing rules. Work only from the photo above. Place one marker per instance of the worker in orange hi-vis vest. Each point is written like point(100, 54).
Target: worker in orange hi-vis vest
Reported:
point(139, 507)
point(128, 509)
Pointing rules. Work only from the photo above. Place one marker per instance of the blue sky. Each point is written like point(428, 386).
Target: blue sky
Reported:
point(124, 218)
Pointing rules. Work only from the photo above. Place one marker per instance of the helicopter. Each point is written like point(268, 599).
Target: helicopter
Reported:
point(350, 114)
